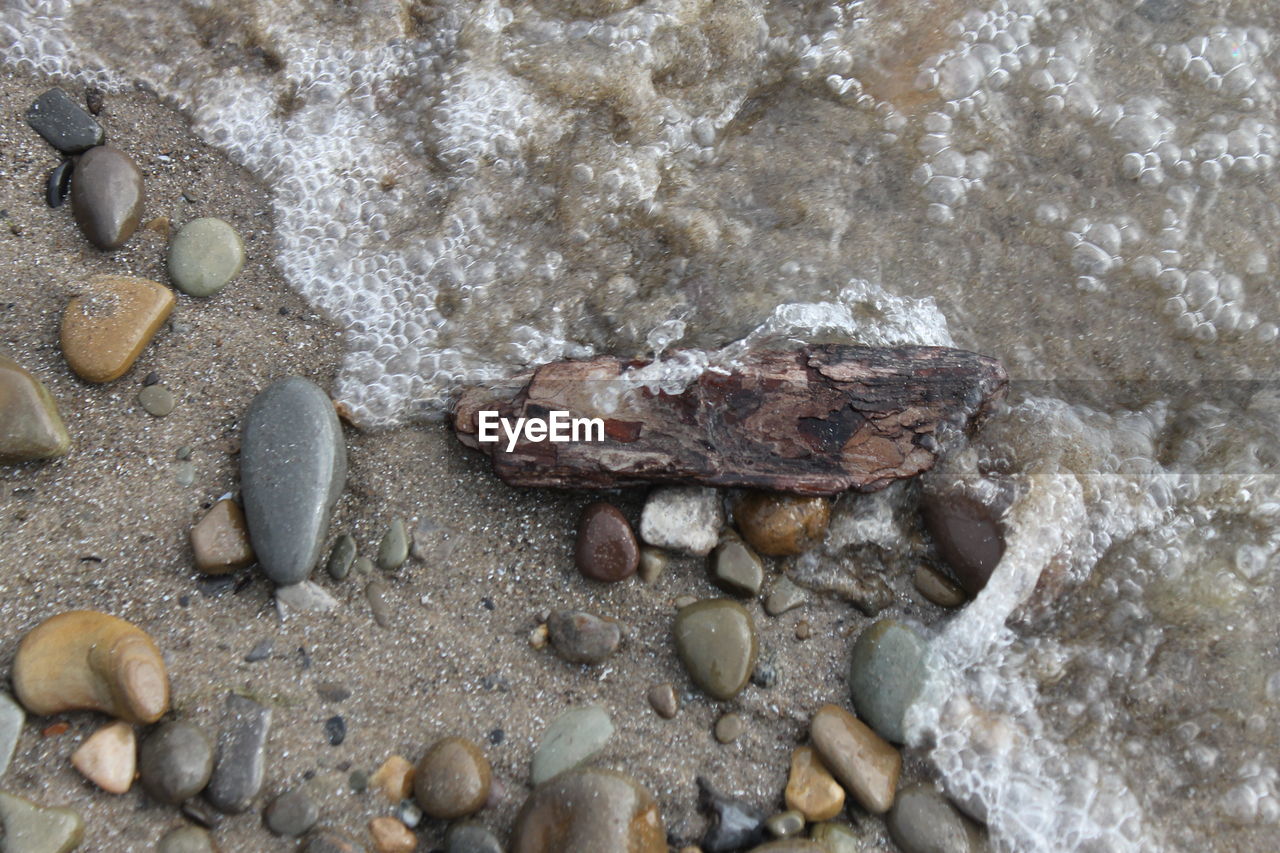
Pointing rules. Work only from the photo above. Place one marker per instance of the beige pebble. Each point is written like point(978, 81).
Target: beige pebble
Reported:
point(108, 323)
point(811, 789)
point(729, 728)
point(664, 700)
point(803, 630)
point(394, 778)
point(866, 764)
point(220, 540)
point(109, 757)
point(392, 836)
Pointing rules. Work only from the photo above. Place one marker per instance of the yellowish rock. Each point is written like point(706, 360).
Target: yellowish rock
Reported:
point(392, 836)
point(220, 540)
point(109, 322)
point(30, 426)
point(394, 779)
point(811, 789)
point(779, 525)
point(109, 757)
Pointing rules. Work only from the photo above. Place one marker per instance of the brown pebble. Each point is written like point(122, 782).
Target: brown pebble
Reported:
point(967, 535)
point(107, 196)
point(779, 525)
point(394, 779)
point(392, 836)
point(803, 630)
point(109, 322)
point(664, 700)
point(937, 587)
point(866, 764)
point(220, 540)
point(589, 809)
point(109, 757)
point(607, 550)
point(729, 728)
point(811, 789)
point(538, 637)
point(452, 780)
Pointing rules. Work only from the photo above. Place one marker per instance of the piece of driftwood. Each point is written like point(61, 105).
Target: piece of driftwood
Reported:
point(814, 421)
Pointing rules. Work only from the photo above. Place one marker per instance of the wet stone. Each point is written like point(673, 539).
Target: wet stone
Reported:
point(716, 641)
point(378, 595)
point(108, 757)
point(392, 836)
point(589, 810)
point(29, 828)
point(186, 839)
point(664, 700)
point(394, 779)
point(779, 525)
point(583, 637)
point(11, 719)
point(107, 196)
point(452, 779)
point(811, 789)
point(606, 549)
point(204, 256)
point(291, 814)
point(785, 824)
point(341, 557)
point(241, 762)
point(58, 186)
point(393, 550)
point(937, 588)
point(736, 569)
point(886, 674)
point(733, 824)
point(175, 762)
point(30, 426)
point(835, 838)
point(220, 540)
point(157, 400)
point(729, 728)
point(63, 123)
point(109, 322)
point(293, 465)
point(331, 841)
point(924, 821)
point(653, 562)
point(260, 652)
point(866, 765)
point(471, 837)
point(335, 730)
point(784, 596)
point(571, 739)
point(686, 519)
point(967, 535)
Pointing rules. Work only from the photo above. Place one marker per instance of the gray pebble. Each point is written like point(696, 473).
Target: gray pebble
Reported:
point(785, 824)
point(175, 762)
point(784, 596)
point(305, 597)
point(571, 739)
point(291, 814)
point(471, 837)
point(729, 728)
point(63, 123)
point(262, 651)
point(886, 674)
point(204, 256)
point(11, 720)
point(583, 637)
point(653, 562)
point(186, 839)
point(185, 473)
point(341, 557)
point(157, 400)
point(241, 762)
point(394, 548)
point(736, 569)
point(409, 813)
point(924, 821)
point(376, 592)
point(362, 566)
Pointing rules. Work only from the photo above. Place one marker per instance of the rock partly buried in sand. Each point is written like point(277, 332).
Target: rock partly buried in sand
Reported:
point(716, 642)
point(186, 839)
point(452, 779)
point(685, 519)
point(109, 757)
point(293, 466)
point(580, 637)
point(107, 196)
point(109, 322)
point(589, 810)
point(815, 421)
point(967, 535)
point(175, 762)
point(30, 426)
point(29, 827)
point(924, 821)
point(89, 661)
point(240, 765)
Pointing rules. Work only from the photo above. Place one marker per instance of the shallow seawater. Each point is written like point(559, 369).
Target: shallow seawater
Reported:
point(1086, 190)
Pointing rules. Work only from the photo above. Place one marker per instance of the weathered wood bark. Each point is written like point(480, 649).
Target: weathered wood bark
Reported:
point(814, 421)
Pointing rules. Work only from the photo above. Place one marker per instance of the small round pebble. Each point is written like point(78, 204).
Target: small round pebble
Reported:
point(803, 630)
point(291, 814)
point(729, 728)
point(175, 762)
point(157, 400)
point(607, 550)
point(785, 824)
point(664, 700)
point(583, 637)
point(452, 780)
point(335, 729)
point(392, 836)
point(204, 256)
point(186, 839)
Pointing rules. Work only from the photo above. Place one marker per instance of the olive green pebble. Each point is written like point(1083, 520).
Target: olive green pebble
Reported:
point(157, 400)
point(729, 728)
point(341, 557)
point(362, 566)
point(394, 548)
point(204, 256)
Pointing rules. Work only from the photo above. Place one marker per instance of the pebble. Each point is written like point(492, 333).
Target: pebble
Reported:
point(175, 762)
point(865, 764)
point(729, 728)
point(967, 535)
point(589, 810)
point(394, 779)
point(409, 814)
point(803, 630)
point(204, 256)
point(765, 675)
point(583, 637)
point(571, 740)
point(736, 569)
point(937, 587)
point(784, 596)
point(107, 196)
point(377, 592)
point(29, 828)
point(305, 597)
point(664, 700)
point(687, 519)
point(452, 780)
point(241, 762)
point(293, 466)
point(886, 674)
point(186, 839)
point(186, 474)
point(58, 186)
point(835, 838)
point(790, 845)
point(606, 549)
point(93, 99)
point(924, 821)
point(811, 789)
point(331, 841)
point(538, 637)
point(393, 550)
point(785, 824)
point(362, 566)
point(683, 601)
point(220, 540)
point(341, 557)
point(109, 322)
point(260, 652)
point(733, 824)
point(779, 525)
point(392, 836)
point(12, 718)
point(471, 837)
point(109, 757)
point(716, 641)
point(292, 814)
point(653, 562)
point(157, 400)
point(335, 730)
point(63, 123)
point(30, 426)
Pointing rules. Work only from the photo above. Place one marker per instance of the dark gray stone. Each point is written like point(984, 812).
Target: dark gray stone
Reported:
point(291, 814)
point(293, 466)
point(239, 768)
point(341, 557)
point(175, 762)
point(58, 187)
point(583, 637)
point(63, 123)
point(734, 824)
point(886, 674)
point(924, 821)
point(471, 837)
point(394, 548)
point(107, 196)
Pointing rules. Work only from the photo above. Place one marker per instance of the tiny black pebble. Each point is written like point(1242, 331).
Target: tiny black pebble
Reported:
point(284, 312)
point(336, 729)
point(184, 601)
point(151, 379)
point(309, 775)
point(497, 736)
point(487, 603)
point(306, 658)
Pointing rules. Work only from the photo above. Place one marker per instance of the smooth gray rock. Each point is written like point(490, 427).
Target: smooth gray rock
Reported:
point(394, 548)
point(886, 674)
point(341, 557)
point(580, 637)
point(240, 766)
point(186, 839)
point(29, 828)
point(175, 762)
point(291, 814)
point(571, 739)
point(63, 123)
point(293, 466)
point(924, 821)
point(471, 837)
point(11, 719)
point(204, 256)
point(107, 196)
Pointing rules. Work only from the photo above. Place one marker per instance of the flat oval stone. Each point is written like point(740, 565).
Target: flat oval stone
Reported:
point(186, 839)
point(291, 814)
point(924, 821)
point(342, 557)
point(175, 762)
point(779, 525)
point(886, 674)
point(29, 827)
point(937, 588)
point(865, 764)
point(107, 196)
point(157, 400)
point(589, 810)
point(108, 757)
point(107, 325)
point(583, 637)
point(967, 535)
point(716, 642)
point(570, 740)
point(30, 426)
point(811, 789)
point(204, 256)
point(220, 540)
point(607, 550)
point(240, 765)
point(786, 824)
point(293, 466)
point(452, 780)
point(393, 550)
point(63, 123)
point(736, 569)
point(664, 700)
point(471, 837)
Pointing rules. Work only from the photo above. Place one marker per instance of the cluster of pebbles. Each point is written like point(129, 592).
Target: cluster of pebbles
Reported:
point(292, 471)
